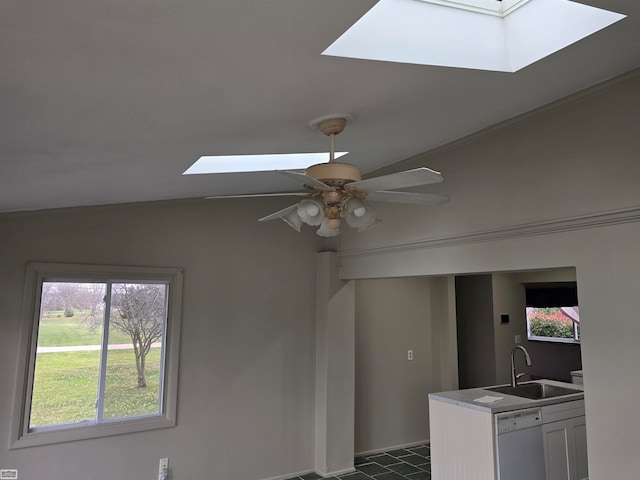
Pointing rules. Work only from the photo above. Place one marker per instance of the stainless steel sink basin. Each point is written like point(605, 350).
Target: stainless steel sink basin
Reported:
point(535, 391)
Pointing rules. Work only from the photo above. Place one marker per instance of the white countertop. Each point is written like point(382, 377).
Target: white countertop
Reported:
point(469, 398)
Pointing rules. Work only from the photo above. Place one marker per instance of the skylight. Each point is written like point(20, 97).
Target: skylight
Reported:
point(479, 34)
point(257, 163)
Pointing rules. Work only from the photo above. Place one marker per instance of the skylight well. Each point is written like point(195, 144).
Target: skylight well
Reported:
point(494, 35)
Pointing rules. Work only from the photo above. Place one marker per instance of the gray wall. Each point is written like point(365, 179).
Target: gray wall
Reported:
point(554, 360)
point(556, 188)
point(247, 362)
point(392, 316)
point(476, 336)
point(508, 299)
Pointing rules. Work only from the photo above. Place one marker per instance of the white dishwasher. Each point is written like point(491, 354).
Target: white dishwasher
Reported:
point(519, 441)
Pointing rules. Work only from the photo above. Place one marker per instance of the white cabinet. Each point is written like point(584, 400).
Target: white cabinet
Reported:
point(565, 449)
point(564, 436)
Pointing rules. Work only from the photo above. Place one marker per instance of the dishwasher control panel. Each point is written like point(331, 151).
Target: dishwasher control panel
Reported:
point(518, 420)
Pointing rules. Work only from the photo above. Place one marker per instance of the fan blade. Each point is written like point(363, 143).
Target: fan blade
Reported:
point(279, 213)
point(408, 198)
point(255, 195)
point(408, 178)
point(305, 179)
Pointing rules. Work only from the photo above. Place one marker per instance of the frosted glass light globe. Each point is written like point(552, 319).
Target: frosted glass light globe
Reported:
point(312, 209)
point(360, 211)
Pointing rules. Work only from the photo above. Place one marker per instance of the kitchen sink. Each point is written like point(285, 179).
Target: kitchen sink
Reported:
point(534, 390)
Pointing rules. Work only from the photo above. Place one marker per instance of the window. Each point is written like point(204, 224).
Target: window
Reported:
point(553, 313)
point(553, 324)
point(100, 352)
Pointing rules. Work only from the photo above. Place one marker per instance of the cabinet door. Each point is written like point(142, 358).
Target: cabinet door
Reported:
point(565, 449)
point(580, 436)
point(557, 450)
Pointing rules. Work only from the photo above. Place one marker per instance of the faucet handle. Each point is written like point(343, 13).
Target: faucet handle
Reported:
point(520, 375)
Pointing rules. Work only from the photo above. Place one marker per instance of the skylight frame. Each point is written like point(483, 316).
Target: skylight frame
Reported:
point(498, 8)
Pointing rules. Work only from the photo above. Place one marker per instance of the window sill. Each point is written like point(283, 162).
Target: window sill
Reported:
point(554, 340)
point(75, 432)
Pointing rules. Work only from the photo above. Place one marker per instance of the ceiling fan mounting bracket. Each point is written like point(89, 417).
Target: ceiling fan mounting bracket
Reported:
point(331, 124)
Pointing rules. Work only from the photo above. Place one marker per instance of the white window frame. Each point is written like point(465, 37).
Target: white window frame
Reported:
point(36, 273)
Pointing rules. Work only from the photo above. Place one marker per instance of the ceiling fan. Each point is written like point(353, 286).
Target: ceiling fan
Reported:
point(335, 191)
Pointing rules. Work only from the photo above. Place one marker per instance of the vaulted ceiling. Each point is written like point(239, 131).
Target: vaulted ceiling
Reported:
point(110, 101)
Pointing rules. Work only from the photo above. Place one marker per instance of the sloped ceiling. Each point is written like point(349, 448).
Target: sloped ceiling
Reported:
point(109, 102)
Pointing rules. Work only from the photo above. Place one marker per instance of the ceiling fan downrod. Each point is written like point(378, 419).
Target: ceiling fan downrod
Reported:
point(332, 148)
point(332, 127)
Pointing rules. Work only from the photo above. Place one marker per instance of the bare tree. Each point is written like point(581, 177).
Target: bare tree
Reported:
point(140, 311)
point(61, 296)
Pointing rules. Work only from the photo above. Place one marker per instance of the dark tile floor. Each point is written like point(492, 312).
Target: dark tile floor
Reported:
point(402, 464)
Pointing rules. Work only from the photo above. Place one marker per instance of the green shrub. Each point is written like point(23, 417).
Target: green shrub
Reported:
point(541, 327)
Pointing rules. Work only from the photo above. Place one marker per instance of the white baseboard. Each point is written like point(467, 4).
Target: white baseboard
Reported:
point(335, 473)
point(290, 475)
point(393, 447)
point(306, 472)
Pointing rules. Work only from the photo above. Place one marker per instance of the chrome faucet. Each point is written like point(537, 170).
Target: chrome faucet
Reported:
point(515, 376)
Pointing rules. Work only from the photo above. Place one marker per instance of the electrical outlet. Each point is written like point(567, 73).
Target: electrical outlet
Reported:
point(518, 339)
point(163, 467)
point(409, 354)
point(9, 474)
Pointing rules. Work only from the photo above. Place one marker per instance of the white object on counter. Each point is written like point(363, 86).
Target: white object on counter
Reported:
point(488, 399)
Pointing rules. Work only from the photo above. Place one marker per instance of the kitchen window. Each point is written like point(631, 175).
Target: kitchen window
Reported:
point(552, 312)
point(99, 350)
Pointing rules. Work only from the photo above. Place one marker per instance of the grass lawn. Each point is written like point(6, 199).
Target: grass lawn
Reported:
point(66, 383)
point(56, 330)
point(66, 386)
